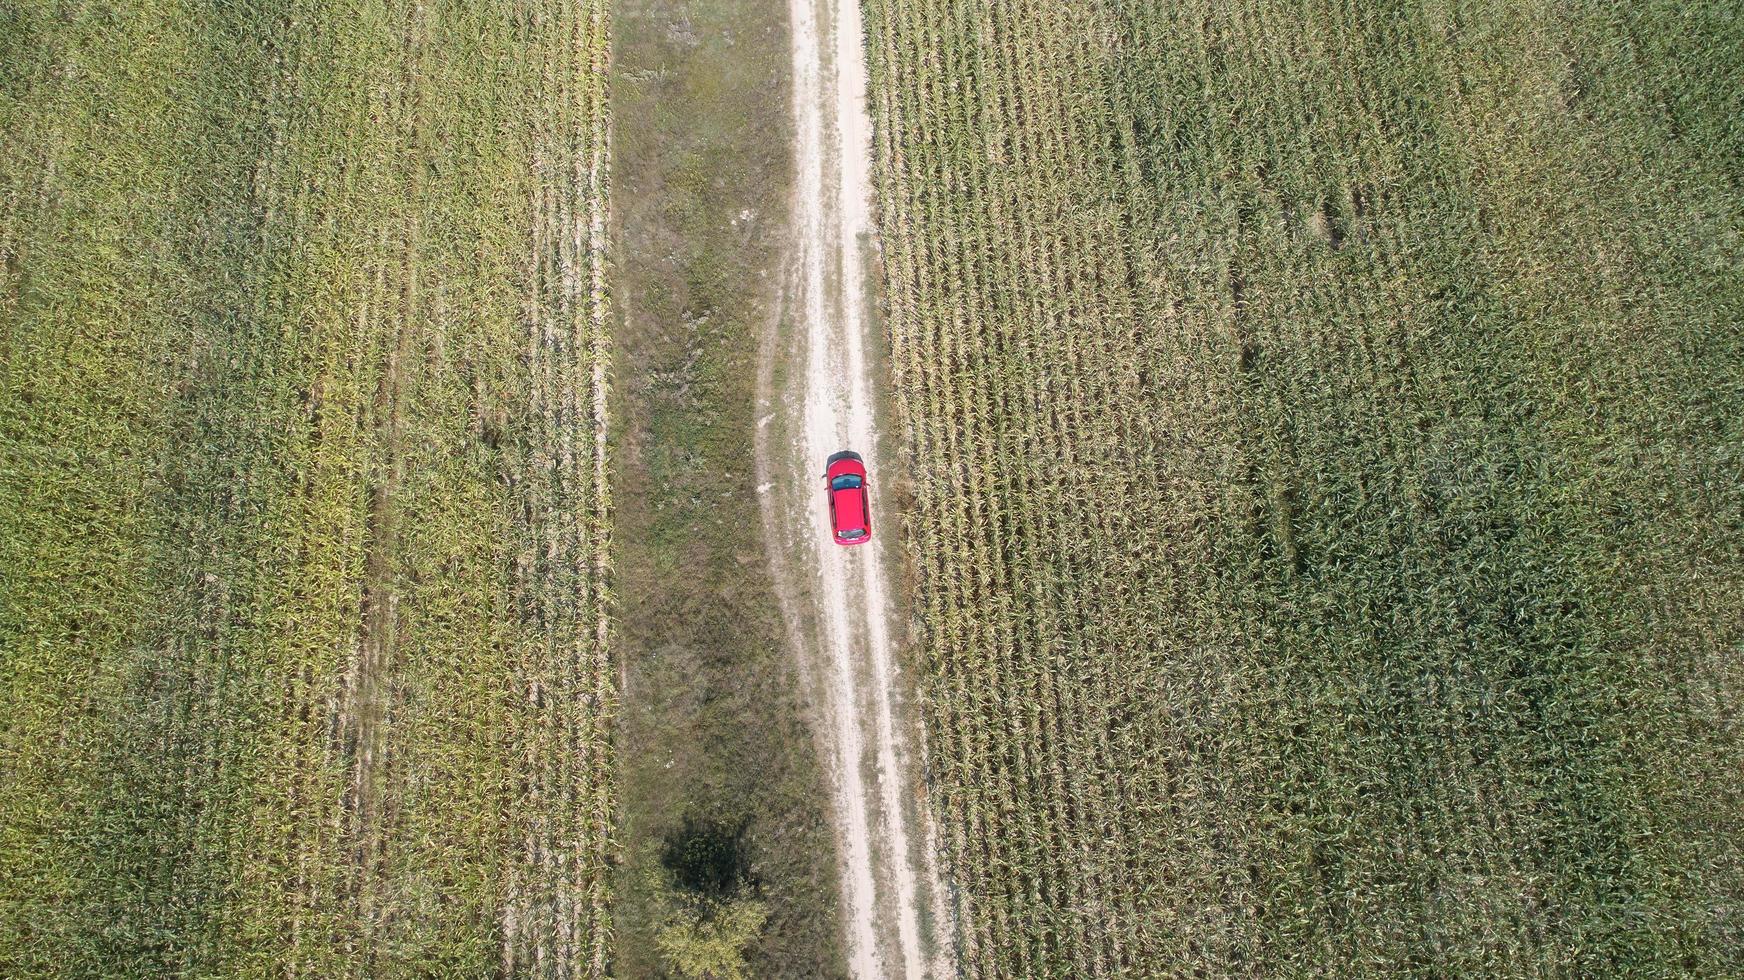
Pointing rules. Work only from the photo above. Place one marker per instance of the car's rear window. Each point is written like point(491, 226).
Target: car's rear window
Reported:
point(849, 482)
point(855, 533)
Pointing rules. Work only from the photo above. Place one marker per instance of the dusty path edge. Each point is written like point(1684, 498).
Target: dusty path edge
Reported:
point(844, 621)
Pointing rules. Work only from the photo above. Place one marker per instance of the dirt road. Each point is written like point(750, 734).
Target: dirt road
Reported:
point(837, 598)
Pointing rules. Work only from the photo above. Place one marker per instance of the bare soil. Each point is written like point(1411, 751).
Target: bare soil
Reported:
point(821, 399)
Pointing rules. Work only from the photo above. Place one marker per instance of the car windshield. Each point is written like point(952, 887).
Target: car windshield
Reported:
point(854, 533)
point(845, 483)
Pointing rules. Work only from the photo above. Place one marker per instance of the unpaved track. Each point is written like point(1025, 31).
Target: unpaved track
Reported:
point(890, 885)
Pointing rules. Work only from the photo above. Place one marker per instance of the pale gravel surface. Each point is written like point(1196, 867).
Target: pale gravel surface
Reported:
point(890, 885)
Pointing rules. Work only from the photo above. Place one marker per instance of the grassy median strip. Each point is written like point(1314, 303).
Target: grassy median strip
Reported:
point(302, 509)
point(728, 861)
point(1325, 421)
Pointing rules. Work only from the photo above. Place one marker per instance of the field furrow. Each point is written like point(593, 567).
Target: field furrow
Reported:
point(335, 279)
point(1216, 331)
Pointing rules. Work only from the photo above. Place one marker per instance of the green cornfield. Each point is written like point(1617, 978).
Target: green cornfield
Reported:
point(1326, 422)
point(303, 514)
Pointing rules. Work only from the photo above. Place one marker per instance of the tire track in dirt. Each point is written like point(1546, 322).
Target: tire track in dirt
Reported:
point(892, 897)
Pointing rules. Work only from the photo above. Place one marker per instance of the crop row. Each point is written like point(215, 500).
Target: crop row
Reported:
point(1248, 357)
point(306, 536)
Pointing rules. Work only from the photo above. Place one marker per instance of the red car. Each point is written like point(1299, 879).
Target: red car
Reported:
point(850, 507)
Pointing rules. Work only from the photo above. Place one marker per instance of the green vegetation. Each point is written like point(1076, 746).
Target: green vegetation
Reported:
point(712, 910)
point(302, 509)
point(713, 728)
point(1327, 423)
point(708, 942)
